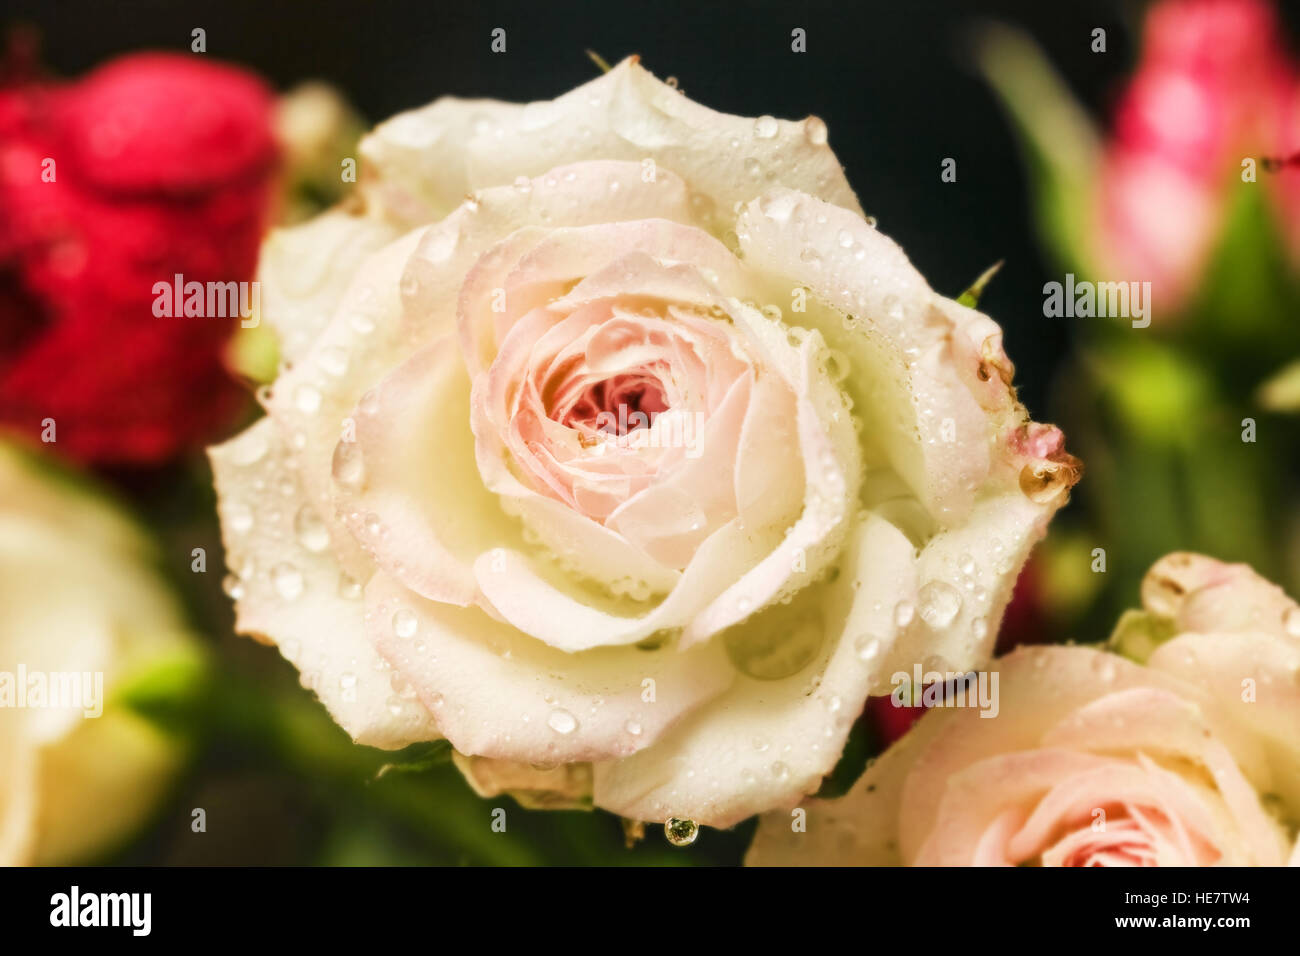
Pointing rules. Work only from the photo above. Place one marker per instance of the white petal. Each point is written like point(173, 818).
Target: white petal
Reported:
point(498, 693)
point(765, 743)
point(304, 270)
point(628, 114)
point(295, 595)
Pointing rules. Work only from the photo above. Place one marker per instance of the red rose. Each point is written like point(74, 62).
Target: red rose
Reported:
point(153, 165)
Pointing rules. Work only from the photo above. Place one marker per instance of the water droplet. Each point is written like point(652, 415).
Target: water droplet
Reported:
point(287, 581)
point(561, 721)
point(239, 516)
point(780, 771)
point(633, 727)
point(333, 360)
point(310, 529)
point(845, 239)
point(362, 324)
point(940, 603)
point(765, 127)
point(1291, 621)
point(753, 167)
point(307, 399)
point(347, 466)
point(814, 130)
point(349, 587)
point(681, 832)
point(904, 612)
point(233, 587)
point(867, 648)
point(405, 623)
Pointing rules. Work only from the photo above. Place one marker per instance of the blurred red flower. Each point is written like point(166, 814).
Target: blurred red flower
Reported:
point(152, 165)
point(1214, 86)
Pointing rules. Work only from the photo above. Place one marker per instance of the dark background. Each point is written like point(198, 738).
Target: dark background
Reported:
point(891, 79)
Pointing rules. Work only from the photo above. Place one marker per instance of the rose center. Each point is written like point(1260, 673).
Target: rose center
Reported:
point(618, 405)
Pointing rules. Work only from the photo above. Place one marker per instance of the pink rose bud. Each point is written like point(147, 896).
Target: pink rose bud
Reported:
point(1210, 90)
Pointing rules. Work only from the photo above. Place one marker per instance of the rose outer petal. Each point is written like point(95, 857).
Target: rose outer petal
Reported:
point(498, 693)
point(294, 593)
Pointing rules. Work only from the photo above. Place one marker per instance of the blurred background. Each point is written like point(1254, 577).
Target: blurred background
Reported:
point(1115, 162)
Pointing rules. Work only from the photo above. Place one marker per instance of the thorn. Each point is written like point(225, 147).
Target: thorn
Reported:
point(599, 61)
point(972, 295)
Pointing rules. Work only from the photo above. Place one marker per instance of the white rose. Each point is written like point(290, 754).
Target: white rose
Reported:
point(84, 613)
point(453, 523)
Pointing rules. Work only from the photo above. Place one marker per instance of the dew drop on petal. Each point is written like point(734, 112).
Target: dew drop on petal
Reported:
point(681, 832)
point(940, 603)
point(307, 399)
point(333, 360)
point(287, 581)
point(561, 721)
point(1291, 621)
point(347, 466)
point(310, 529)
point(814, 130)
point(904, 612)
point(405, 623)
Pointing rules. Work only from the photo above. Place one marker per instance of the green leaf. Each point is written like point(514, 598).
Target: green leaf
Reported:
point(1061, 146)
point(419, 758)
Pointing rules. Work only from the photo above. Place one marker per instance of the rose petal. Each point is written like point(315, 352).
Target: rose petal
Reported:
point(416, 162)
point(498, 693)
point(765, 743)
point(305, 269)
point(628, 114)
point(294, 593)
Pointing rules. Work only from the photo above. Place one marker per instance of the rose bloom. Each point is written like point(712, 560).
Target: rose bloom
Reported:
point(1189, 756)
point(617, 446)
point(1214, 85)
point(81, 598)
point(152, 165)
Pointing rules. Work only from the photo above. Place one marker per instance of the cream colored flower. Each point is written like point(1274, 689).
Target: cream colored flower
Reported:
point(83, 613)
point(613, 434)
point(1093, 759)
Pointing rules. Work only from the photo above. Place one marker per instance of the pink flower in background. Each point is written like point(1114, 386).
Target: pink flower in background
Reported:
point(1183, 751)
point(1213, 86)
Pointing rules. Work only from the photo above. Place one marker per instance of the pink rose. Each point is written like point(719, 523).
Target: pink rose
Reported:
point(1212, 88)
point(612, 437)
point(1192, 758)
